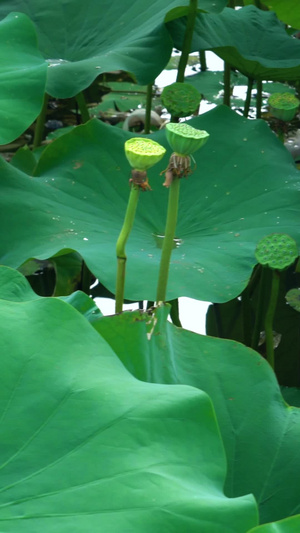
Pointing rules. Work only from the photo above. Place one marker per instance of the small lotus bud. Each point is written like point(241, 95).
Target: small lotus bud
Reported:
point(283, 106)
point(143, 153)
point(185, 139)
point(277, 251)
point(181, 99)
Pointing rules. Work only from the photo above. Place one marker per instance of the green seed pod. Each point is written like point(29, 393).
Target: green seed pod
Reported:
point(181, 99)
point(283, 106)
point(277, 251)
point(143, 153)
point(185, 139)
point(293, 298)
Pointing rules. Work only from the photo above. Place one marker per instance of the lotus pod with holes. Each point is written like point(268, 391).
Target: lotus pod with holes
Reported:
point(143, 153)
point(283, 106)
point(277, 251)
point(181, 99)
point(184, 139)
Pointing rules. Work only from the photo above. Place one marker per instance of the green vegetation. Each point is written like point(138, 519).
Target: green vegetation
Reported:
point(130, 423)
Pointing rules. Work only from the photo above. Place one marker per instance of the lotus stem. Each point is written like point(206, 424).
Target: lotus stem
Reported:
point(247, 313)
point(121, 243)
point(40, 123)
point(184, 140)
point(258, 98)
point(262, 295)
point(168, 243)
point(227, 87)
point(219, 325)
point(280, 135)
point(187, 41)
point(270, 317)
point(85, 116)
point(202, 59)
point(148, 108)
point(86, 278)
point(174, 312)
point(248, 97)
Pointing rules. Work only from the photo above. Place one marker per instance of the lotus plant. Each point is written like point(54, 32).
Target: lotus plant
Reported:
point(142, 154)
point(283, 107)
point(276, 251)
point(184, 140)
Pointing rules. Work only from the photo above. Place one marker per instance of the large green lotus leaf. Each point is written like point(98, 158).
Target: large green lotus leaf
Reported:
point(261, 433)
point(80, 40)
point(286, 10)
point(24, 160)
point(86, 447)
point(253, 41)
point(22, 72)
point(239, 192)
point(288, 525)
point(14, 287)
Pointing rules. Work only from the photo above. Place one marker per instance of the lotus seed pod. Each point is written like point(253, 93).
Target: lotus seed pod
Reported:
point(184, 139)
point(277, 251)
point(283, 106)
point(293, 298)
point(143, 153)
point(181, 99)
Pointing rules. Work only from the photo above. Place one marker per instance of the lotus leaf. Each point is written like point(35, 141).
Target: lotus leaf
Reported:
point(237, 194)
point(286, 10)
point(87, 447)
point(253, 41)
point(260, 431)
point(81, 40)
point(289, 525)
point(22, 71)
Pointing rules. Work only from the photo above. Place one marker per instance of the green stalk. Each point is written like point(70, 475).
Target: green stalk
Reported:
point(270, 317)
point(149, 304)
point(121, 243)
point(186, 47)
point(148, 108)
point(174, 312)
point(262, 297)
point(216, 310)
point(248, 97)
point(258, 98)
point(280, 134)
point(40, 123)
point(202, 59)
point(85, 116)
point(168, 243)
point(246, 317)
point(46, 282)
point(246, 308)
point(86, 279)
point(227, 88)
